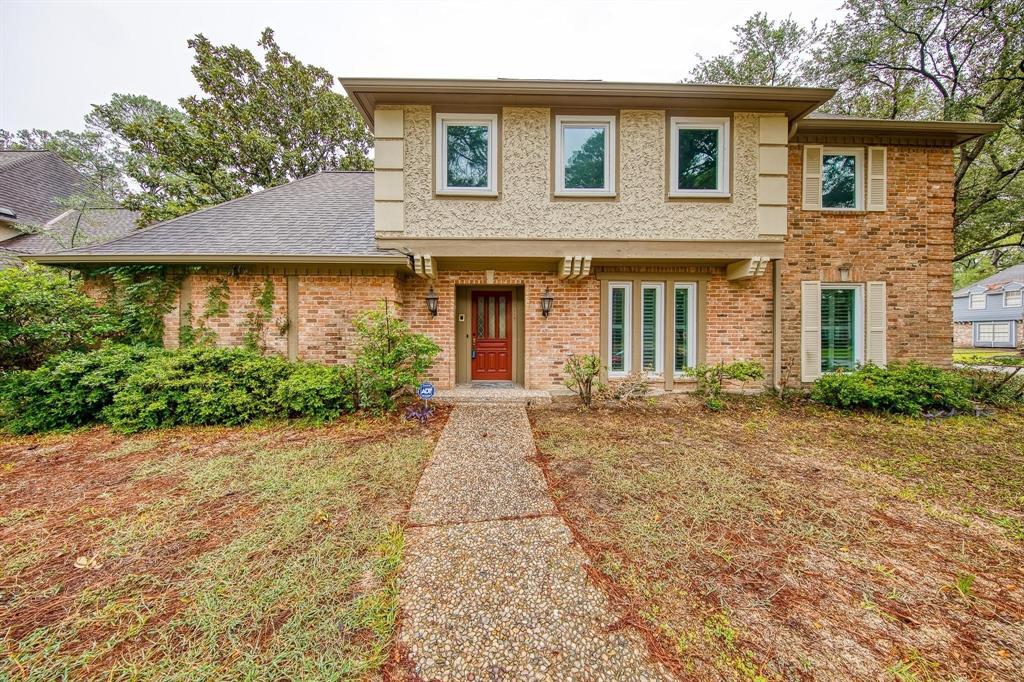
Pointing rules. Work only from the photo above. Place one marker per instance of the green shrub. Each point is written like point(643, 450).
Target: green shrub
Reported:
point(318, 392)
point(582, 372)
point(1000, 389)
point(44, 312)
point(711, 377)
point(69, 390)
point(911, 388)
point(390, 359)
point(198, 386)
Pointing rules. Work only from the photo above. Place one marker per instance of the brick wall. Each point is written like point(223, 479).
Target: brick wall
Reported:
point(963, 334)
point(909, 246)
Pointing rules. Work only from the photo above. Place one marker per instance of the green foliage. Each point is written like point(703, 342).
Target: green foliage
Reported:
point(317, 392)
point(256, 319)
point(198, 386)
point(136, 298)
point(582, 372)
point(1000, 389)
point(44, 312)
point(765, 52)
point(711, 377)
point(390, 359)
point(912, 388)
point(196, 332)
point(68, 391)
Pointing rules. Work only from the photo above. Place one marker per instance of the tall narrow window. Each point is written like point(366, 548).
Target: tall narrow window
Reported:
point(585, 155)
point(699, 157)
point(684, 334)
point(619, 328)
point(652, 332)
point(840, 328)
point(466, 153)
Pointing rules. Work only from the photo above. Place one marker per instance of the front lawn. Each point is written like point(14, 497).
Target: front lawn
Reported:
point(771, 542)
point(262, 553)
point(980, 355)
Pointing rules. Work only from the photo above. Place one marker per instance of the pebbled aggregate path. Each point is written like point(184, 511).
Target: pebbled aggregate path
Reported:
point(492, 585)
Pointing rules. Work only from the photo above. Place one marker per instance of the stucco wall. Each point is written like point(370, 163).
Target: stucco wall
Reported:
point(525, 208)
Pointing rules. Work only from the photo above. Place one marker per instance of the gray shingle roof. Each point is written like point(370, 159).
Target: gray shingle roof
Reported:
point(1014, 273)
point(96, 225)
point(33, 182)
point(329, 214)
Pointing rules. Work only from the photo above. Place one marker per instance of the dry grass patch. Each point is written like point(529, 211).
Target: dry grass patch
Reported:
point(221, 553)
point(771, 542)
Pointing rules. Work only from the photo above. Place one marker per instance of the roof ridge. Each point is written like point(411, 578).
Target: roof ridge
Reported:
point(202, 210)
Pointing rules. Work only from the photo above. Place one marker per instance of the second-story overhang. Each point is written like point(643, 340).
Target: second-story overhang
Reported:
point(369, 93)
point(822, 128)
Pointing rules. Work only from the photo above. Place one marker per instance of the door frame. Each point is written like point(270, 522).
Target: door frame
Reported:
point(463, 310)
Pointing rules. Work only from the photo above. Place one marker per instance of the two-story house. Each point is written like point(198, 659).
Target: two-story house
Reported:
point(659, 225)
point(990, 313)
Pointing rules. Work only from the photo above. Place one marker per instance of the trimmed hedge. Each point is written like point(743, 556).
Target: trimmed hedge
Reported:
point(912, 388)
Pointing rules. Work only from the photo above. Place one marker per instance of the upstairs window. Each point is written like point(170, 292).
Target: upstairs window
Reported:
point(466, 153)
point(1013, 299)
point(977, 301)
point(585, 155)
point(842, 179)
point(699, 157)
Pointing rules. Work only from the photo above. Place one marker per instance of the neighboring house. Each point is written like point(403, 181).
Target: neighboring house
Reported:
point(990, 313)
point(37, 215)
point(660, 226)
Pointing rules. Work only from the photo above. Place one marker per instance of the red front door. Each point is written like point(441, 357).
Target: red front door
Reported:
point(492, 336)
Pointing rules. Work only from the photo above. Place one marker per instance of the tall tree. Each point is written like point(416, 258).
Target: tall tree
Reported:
point(765, 52)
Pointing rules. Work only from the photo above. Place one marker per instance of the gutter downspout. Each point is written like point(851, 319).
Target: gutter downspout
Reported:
point(776, 324)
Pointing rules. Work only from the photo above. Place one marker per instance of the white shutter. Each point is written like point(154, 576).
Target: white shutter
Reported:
point(810, 330)
point(874, 349)
point(812, 177)
point(876, 179)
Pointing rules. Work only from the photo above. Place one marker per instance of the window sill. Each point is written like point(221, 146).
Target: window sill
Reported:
point(585, 195)
point(700, 195)
point(464, 193)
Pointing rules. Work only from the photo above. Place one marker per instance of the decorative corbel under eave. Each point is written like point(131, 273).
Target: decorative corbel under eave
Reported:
point(423, 266)
point(574, 267)
point(745, 269)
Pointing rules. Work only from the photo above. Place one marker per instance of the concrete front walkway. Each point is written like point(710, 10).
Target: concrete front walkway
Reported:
point(492, 586)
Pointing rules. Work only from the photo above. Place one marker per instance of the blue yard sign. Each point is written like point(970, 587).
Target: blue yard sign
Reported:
point(426, 390)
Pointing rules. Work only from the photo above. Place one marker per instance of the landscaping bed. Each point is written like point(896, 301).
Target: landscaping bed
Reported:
point(799, 542)
point(265, 552)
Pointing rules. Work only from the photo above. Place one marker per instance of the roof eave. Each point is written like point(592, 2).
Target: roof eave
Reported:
point(367, 93)
point(207, 259)
point(953, 133)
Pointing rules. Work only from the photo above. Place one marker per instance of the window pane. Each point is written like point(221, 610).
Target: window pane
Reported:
point(583, 150)
point(698, 159)
point(649, 331)
point(682, 336)
point(501, 317)
point(490, 317)
point(1013, 298)
point(467, 155)
point(617, 362)
point(839, 181)
point(480, 305)
point(837, 329)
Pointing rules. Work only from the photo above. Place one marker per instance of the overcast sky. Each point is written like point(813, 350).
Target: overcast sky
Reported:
point(59, 57)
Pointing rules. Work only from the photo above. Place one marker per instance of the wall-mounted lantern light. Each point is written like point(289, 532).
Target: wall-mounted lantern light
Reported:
point(432, 302)
point(545, 302)
point(844, 273)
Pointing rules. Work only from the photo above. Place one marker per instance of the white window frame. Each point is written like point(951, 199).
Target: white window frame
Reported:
point(1020, 299)
point(677, 123)
point(992, 324)
point(972, 297)
point(659, 327)
point(858, 176)
point(608, 122)
point(441, 167)
point(627, 336)
point(858, 319)
point(691, 325)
